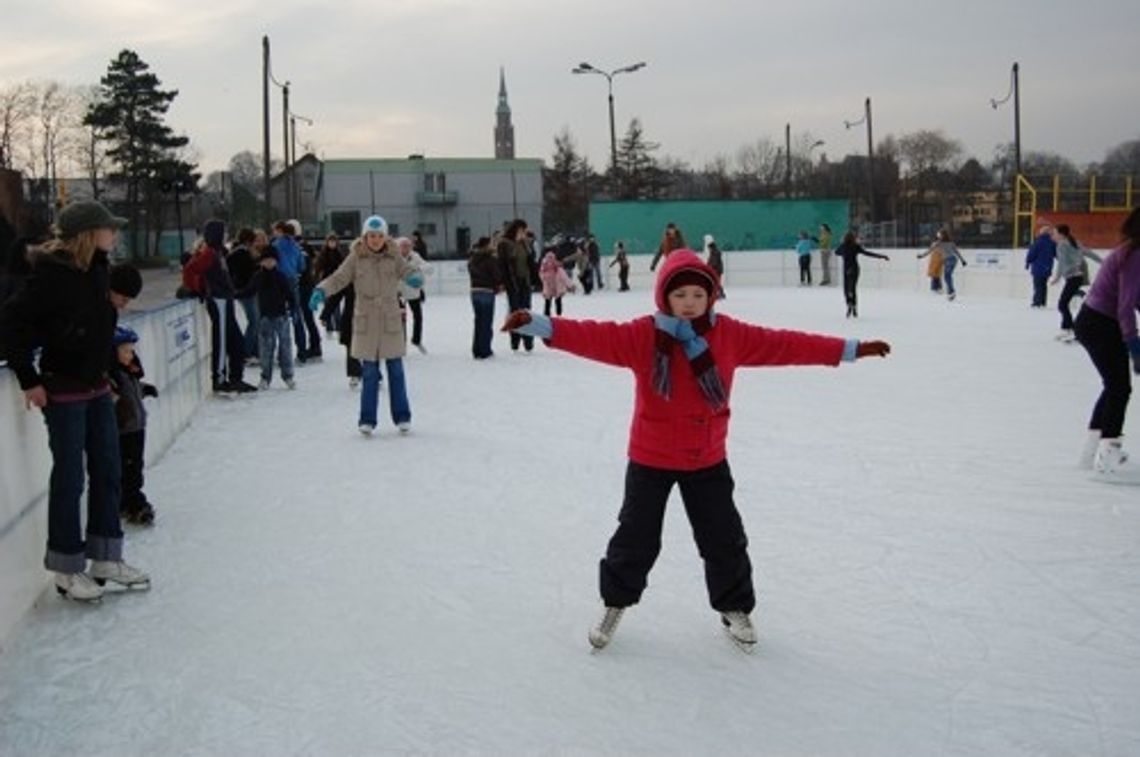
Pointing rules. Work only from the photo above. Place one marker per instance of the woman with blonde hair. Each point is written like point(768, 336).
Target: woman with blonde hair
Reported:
point(65, 309)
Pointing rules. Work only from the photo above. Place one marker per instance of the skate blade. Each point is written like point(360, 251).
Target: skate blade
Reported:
point(137, 586)
point(93, 601)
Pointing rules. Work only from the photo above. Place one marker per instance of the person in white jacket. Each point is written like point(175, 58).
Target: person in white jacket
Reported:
point(414, 296)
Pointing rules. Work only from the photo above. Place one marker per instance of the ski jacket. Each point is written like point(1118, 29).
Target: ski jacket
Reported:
point(126, 383)
point(290, 258)
point(483, 268)
point(683, 432)
point(1039, 258)
point(804, 248)
point(242, 266)
point(377, 318)
point(514, 265)
point(273, 292)
point(66, 312)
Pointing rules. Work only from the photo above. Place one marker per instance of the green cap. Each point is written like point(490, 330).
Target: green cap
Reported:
point(85, 216)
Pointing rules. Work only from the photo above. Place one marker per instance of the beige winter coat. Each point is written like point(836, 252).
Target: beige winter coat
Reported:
point(377, 322)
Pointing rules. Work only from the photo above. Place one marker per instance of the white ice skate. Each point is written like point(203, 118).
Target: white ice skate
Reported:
point(262, 385)
point(1111, 464)
point(367, 429)
point(1066, 336)
point(739, 627)
point(78, 586)
point(601, 634)
point(291, 383)
point(119, 572)
point(1088, 452)
point(405, 427)
point(354, 382)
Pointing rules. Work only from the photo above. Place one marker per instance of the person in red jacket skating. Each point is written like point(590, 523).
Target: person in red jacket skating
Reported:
point(683, 358)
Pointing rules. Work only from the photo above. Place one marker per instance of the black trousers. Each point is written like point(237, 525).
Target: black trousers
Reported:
point(805, 269)
point(519, 299)
point(227, 344)
point(623, 278)
point(417, 308)
point(717, 528)
point(1100, 335)
point(557, 305)
point(132, 447)
point(850, 284)
point(1072, 286)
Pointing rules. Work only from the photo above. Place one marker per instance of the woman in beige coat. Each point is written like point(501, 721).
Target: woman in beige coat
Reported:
point(375, 269)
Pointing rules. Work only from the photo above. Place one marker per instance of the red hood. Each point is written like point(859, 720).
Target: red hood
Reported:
point(677, 260)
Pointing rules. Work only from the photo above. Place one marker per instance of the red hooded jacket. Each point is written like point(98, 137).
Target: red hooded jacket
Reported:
point(683, 432)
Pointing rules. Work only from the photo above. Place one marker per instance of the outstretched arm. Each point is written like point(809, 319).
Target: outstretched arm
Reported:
point(607, 342)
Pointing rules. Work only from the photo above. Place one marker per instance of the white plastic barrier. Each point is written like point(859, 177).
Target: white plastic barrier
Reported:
point(989, 273)
point(174, 346)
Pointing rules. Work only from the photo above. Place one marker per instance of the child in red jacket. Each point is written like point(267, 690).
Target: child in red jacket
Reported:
point(683, 358)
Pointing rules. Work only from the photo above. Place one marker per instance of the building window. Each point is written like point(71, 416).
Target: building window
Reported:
point(429, 182)
point(393, 230)
point(427, 229)
point(345, 223)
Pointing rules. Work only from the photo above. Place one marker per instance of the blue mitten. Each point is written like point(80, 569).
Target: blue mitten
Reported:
point(415, 279)
point(316, 299)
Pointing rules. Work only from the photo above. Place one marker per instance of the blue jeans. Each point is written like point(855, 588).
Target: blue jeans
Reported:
point(274, 333)
point(397, 391)
point(483, 303)
point(948, 267)
point(76, 429)
point(249, 307)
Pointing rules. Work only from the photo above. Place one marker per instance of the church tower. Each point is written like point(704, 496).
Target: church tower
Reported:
point(504, 131)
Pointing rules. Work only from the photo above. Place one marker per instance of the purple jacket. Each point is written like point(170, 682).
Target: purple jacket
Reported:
point(1116, 290)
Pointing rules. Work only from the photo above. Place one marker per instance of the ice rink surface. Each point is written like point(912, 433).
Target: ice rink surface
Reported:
point(935, 577)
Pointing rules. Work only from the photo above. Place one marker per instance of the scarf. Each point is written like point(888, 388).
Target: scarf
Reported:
point(689, 334)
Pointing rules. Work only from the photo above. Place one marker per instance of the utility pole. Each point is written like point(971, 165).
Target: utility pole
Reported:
point(265, 126)
point(871, 164)
point(787, 161)
point(288, 173)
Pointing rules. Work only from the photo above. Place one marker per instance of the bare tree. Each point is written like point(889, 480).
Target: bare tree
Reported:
point(17, 103)
point(758, 166)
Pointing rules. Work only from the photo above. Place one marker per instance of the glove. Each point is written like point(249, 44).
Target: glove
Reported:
point(963, 263)
point(875, 348)
point(529, 323)
point(316, 299)
point(150, 390)
point(414, 279)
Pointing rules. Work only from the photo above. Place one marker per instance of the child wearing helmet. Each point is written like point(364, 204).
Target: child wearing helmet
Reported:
point(129, 389)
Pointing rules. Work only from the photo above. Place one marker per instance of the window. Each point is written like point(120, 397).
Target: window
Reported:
point(345, 223)
point(427, 229)
point(429, 182)
point(393, 230)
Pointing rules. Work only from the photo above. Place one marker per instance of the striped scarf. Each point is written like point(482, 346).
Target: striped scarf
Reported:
point(689, 334)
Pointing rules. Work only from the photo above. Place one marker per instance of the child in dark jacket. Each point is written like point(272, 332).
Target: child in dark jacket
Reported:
point(274, 326)
point(683, 358)
point(126, 379)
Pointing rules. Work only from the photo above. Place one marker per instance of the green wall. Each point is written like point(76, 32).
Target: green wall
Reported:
point(736, 224)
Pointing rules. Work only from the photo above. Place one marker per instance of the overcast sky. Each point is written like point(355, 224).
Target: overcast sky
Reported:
point(386, 78)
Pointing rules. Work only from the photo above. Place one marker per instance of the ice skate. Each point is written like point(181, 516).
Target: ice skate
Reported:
point(291, 383)
point(78, 586)
point(119, 572)
point(601, 634)
point(263, 385)
point(354, 382)
point(367, 428)
point(421, 348)
point(1065, 336)
point(405, 427)
point(739, 626)
point(1111, 464)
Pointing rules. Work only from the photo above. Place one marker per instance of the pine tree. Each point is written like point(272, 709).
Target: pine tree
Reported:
point(128, 114)
point(566, 188)
point(638, 175)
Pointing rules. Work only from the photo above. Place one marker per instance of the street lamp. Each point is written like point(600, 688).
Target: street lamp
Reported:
point(1015, 93)
point(870, 153)
point(586, 68)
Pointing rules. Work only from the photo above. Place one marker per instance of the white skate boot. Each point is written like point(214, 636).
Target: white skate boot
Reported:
point(367, 429)
point(119, 572)
point(78, 586)
point(1111, 464)
point(601, 634)
point(739, 627)
point(1088, 452)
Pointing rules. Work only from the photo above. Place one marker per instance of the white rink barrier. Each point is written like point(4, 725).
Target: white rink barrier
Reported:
point(989, 272)
point(174, 346)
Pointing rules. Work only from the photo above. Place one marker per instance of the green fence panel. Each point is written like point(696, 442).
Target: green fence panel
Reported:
point(735, 224)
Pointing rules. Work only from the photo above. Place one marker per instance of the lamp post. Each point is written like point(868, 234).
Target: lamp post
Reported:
point(586, 68)
point(1015, 93)
point(292, 161)
point(870, 154)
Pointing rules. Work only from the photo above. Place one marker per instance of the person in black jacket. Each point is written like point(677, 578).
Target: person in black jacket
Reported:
point(126, 377)
point(486, 280)
point(274, 329)
point(243, 265)
point(65, 310)
point(850, 250)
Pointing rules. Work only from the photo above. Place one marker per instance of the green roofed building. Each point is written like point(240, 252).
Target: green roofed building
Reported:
point(451, 201)
point(735, 224)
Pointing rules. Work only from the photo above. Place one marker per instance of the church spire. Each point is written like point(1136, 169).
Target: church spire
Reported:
point(504, 129)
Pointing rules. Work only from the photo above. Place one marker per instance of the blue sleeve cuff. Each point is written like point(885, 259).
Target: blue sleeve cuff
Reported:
point(849, 348)
point(540, 326)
